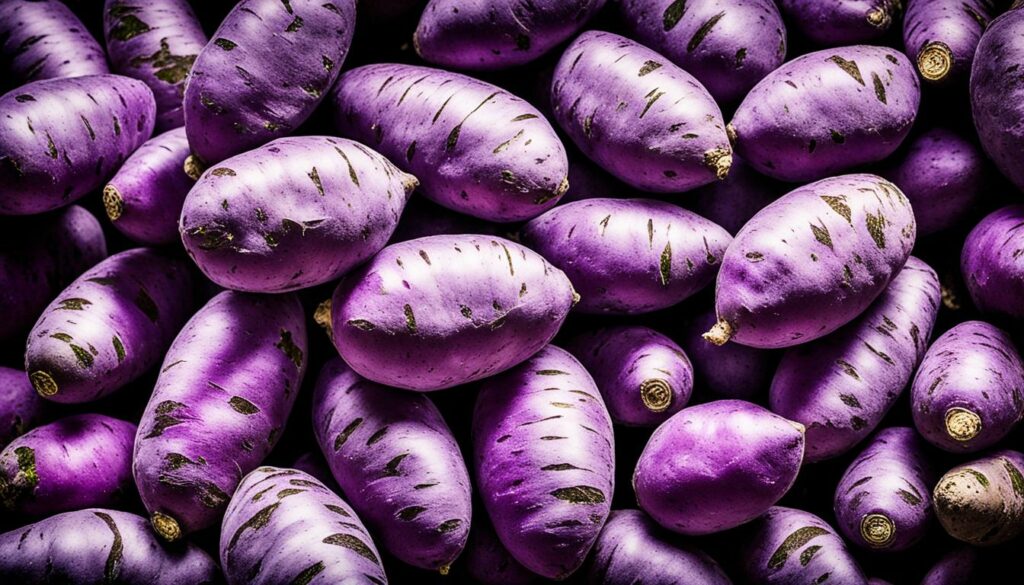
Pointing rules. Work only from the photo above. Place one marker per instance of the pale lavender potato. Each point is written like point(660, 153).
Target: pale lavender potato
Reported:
point(43, 39)
point(732, 201)
point(225, 390)
point(629, 256)
point(982, 502)
point(632, 549)
point(144, 199)
point(968, 393)
point(990, 263)
point(488, 562)
point(155, 41)
point(21, 408)
point(958, 567)
point(942, 36)
point(717, 465)
point(792, 547)
point(545, 462)
point(440, 311)
point(267, 67)
point(495, 34)
point(637, 115)
point(842, 22)
point(643, 376)
point(812, 261)
point(826, 112)
point(100, 546)
point(294, 213)
point(284, 526)
point(884, 501)
point(110, 326)
point(62, 138)
point(397, 464)
point(728, 45)
point(39, 256)
point(75, 462)
point(842, 385)
point(476, 148)
point(728, 371)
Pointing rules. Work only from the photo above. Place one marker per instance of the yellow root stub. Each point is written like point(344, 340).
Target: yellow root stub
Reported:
point(935, 61)
point(877, 530)
point(44, 383)
point(879, 18)
point(322, 317)
point(962, 424)
point(656, 394)
point(166, 526)
point(730, 131)
point(113, 202)
point(194, 167)
point(720, 333)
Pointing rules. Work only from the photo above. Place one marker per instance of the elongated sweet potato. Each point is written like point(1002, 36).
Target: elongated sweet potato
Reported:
point(943, 35)
point(990, 263)
point(43, 39)
point(982, 502)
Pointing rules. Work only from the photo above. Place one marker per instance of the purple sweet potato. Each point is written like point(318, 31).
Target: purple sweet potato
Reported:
point(826, 112)
point(108, 327)
point(643, 376)
point(634, 549)
point(75, 462)
point(842, 385)
point(269, 65)
point(297, 212)
point(728, 371)
point(991, 266)
point(942, 35)
point(982, 502)
point(958, 567)
point(883, 500)
point(475, 147)
point(728, 45)
point(732, 201)
point(155, 41)
point(284, 526)
point(793, 547)
point(62, 138)
point(607, 248)
point(39, 256)
point(812, 261)
point(844, 22)
point(100, 546)
point(225, 390)
point(661, 132)
point(488, 562)
point(440, 311)
point(718, 465)
point(943, 174)
point(494, 34)
point(397, 464)
point(21, 408)
point(545, 465)
point(43, 39)
point(969, 391)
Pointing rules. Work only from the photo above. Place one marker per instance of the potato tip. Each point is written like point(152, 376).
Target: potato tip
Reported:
point(720, 333)
point(962, 424)
point(935, 61)
point(878, 530)
point(113, 203)
point(194, 167)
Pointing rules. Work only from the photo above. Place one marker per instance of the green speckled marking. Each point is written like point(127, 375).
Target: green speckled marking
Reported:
point(1016, 479)
point(449, 525)
point(352, 543)
point(223, 172)
point(377, 436)
point(652, 97)
point(579, 494)
point(410, 513)
point(84, 358)
point(879, 88)
point(128, 28)
point(307, 574)
point(793, 542)
point(648, 66)
point(362, 324)
point(171, 69)
point(838, 204)
point(876, 227)
point(551, 373)
point(808, 554)
point(908, 497)
point(118, 348)
point(821, 234)
point(295, 24)
point(73, 304)
point(225, 44)
point(243, 406)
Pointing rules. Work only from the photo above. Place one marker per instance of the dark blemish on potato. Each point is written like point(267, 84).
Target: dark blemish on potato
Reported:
point(857, 423)
point(522, 117)
point(908, 497)
point(665, 265)
point(410, 513)
point(791, 84)
point(288, 347)
point(850, 67)
point(295, 24)
point(821, 234)
point(588, 123)
point(351, 169)
point(24, 98)
point(580, 494)
point(118, 348)
point(848, 369)
point(552, 373)
point(847, 276)
point(837, 137)
point(62, 336)
point(453, 136)
point(808, 554)
point(117, 126)
point(561, 467)
point(710, 258)
point(410, 319)
point(754, 256)
point(892, 59)
point(879, 88)
point(508, 256)
point(225, 44)
point(346, 432)
point(850, 400)
point(838, 204)
point(128, 27)
point(647, 67)
point(876, 227)
point(792, 543)
point(651, 98)
point(391, 468)
point(522, 42)
point(173, 69)
point(243, 406)
point(145, 303)
point(672, 14)
point(882, 355)
point(256, 522)
point(703, 31)
point(51, 148)
point(112, 567)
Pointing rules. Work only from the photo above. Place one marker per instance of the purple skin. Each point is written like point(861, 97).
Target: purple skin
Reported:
point(643, 376)
point(145, 197)
point(440, 311)
point(224, 393)
point(842, 385)
point(634, 549)
point(422, 218)
point(942, 36)
point(21, 408)
point(957, 567)
point(284, 526)
point(108, 327)
point(982, 502)
point(883, 501)
point(397, 463)
point(664, 133)
point(846, 22)
point(728, 371)
point(43, 39)
point(155, 41)
point(997, 94)
point(991, 266)
point(269, 65)
point(476, 148)
point(100, 546)
point(969, 391)
point(812, 261)
point(62, 138)
point(485, 35)
point(827, 112)
point(76, 462)
point(607, 248)
point(793, 547)
point(313, 463)
point(728, 45)
point(40, 256)
point(943, 174)
point(733, 201)
point(295, 213)
point(545, 461)
point(717, 465)
point(487, 561)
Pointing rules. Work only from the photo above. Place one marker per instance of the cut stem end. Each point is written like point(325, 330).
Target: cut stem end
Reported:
point(194, 167)
point(720, 334)
point(877, 530)
point(935, 61)
point(962, 424)
point(656, 394)
point(113, 203)
point(44, 383)
point(167, 527)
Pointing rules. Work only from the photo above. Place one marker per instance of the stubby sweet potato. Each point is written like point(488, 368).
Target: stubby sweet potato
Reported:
point(43, 39)
point(845, 22)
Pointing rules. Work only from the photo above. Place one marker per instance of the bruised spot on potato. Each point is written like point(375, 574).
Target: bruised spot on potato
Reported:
point(256, 522)
point(410, 513)
point(145, 303)
point(848, 369)
point(850, 67)
point(792, 543)
point(850, 400)
point(580, 494)
point(821, 234)
point(857, 423)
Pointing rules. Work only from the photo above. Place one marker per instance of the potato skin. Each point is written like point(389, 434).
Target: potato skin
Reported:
point(981, 502)
point(43, 39)
point(941, 36)
point(841, 23)
point(21, 408)
point(990, 266)
point(440, 311)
